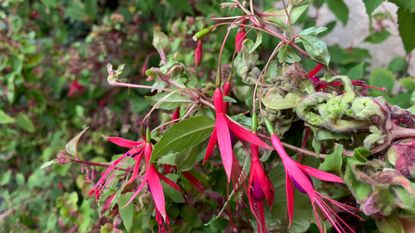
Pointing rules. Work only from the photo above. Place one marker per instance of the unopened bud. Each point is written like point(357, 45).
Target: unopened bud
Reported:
point(62, 157)
point(201, 34)
point(198, 52)
point(240, 37)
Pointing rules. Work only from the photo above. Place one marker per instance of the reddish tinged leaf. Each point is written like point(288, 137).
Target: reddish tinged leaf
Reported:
point(224, 143)
point(198, 52)
point(289, 192)
point(211, 145)
point(122, 142)
point(245, 134)
point(321, 175)
point(156, 190)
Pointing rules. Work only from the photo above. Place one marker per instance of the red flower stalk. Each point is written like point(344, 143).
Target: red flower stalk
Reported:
point(224, 125)
point(198, 52)
point(260, 189)
point(299, 175)
point(239, 39)
point(152, 177)
point(75, 88)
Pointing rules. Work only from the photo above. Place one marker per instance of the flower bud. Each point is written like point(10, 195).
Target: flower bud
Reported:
point(240, 37)
point(202, 34)
point(198, 52)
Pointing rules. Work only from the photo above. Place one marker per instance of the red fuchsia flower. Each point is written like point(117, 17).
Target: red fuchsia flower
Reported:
point(239, 39)
point(299, 175)
point(152, 177)
point(260, 189)
point(75, 88)
point(198, 52)
point(135, 151)
point(224, 125)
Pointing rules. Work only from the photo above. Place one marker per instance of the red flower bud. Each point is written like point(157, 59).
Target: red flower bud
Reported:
point(198, 52)
point(75, 88)
point(176, 114)
point(240, 37)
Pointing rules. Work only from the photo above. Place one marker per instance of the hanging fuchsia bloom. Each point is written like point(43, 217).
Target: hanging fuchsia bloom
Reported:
point(260, 189)
point(135, 151)
point(239, 39)
point(151, 177)
point(224, 125)
point(299, 175)
point(75, 88)
point(198, 52)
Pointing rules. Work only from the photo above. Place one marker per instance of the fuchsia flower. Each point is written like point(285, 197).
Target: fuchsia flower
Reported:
point(151, 177)
point(239, 39)
point(198, 52)
point(224, 125)
point(260, 189)
point(299, 175)
point(75, 88)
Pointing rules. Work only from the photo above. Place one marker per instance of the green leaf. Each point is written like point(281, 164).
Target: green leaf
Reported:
point(371, 5)
point(381, 77)
point(378, 37)
point(408, 5)
point(408, 83)
point(287, 54)
point(357, 71)
point(183, 5)
point(406, 26)
point(390, 224)
point(24, 122)
point(316, 48)
point(361, 153)
point(258, 42)
point(5, 177)
point(183, 135)
point(160, 40)
point(72, 146)
point(126, 212)
point(6, 119)
point(47, 164)
point(339, 9)
point(333, 162)
point(312, 31)
point(168, 101)
point(186, 160)
point(398, 64)
point(297, 12)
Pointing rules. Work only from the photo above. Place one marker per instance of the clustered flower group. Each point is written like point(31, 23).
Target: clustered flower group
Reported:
point(259, 189)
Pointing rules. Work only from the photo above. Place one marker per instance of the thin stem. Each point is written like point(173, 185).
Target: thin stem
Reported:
point(274, 52)
point(218, 72)
point(130, 85)
point(95, 164)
